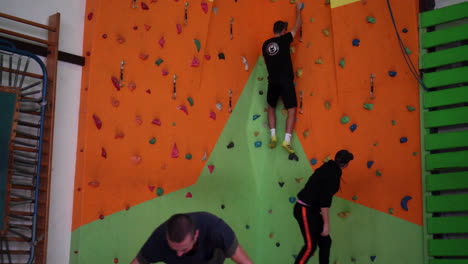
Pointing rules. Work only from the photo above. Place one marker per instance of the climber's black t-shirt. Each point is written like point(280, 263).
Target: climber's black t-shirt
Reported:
point(321, 186)
point(278, 59)
point(216, 241)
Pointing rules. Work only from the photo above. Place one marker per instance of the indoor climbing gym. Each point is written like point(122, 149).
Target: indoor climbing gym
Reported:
point(234, 131)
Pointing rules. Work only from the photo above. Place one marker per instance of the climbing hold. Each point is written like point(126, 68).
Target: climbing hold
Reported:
point(151, 188)
point(392, 73)
point(258, 144)
point(393, 122)
point(410, 108)
point(135, 159)
point(221, 56)
point(230, 145)
point(103, 153)
point(344, 215)
point(404, 30)
point(271, 235)
point(292, 199)
point(293, 156)
point(222, 206)
point(302, 6)
point(127, 208)
point(119, 135)
point(415, 153)
point(270, 211)
point(164, 72)
point(101, 216)
point(131, 86)
point(159, 61)
point(309, 44)
point(215, 10)
point(116, 260)
point(344, 120)
point(211, 168)
point(353, 127)
point(120, 40)
point(183, 109)
point(356, 42)
point(342, 63)
point(188, 195)
point(327, 105)
point(284, 112)
point(313, 161)
point(97, 122)
point(372, 258)
point(190, 100)
point(188, 156)
point(368, 106)
point(138, 120)
point(144, 6)
point(326, 159)
point(247, 227)
point(104, 36)
point(94, 184)
point(197, 44)
point(408, 51)
point(143, 56)
point(403, 139)
point(213, 115)
point(378, 173)
point(260, 92)
point(369, 164)
point(148, 91)
point(281, 184)
point(255, 117)
point(404, 202)
point(135, 27)
point(260, 79)
point(179, 28)
point(299, 72)
point(312, 20)
point(90, 16)
point(116, 83)
point(292, 49)
point(371, 20)
point(278, 244)
point(207, 57)
point(306, 133)
point(147, 27)
point(319, 61)
point(205, 156)
point(219, 106)
point(152, 141)
point(298, 180)
point(390, 210)
point(175, 152)
point(195, 62)
point(355, 198)
point(204, 7)
point(161, 42)
point(156, 122)
point(326, 32)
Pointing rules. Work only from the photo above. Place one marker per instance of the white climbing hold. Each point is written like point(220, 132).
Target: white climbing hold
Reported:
point(244, 60)
point(219, 106)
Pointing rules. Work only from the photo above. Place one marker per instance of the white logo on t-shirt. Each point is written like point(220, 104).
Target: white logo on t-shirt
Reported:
point(272, 48)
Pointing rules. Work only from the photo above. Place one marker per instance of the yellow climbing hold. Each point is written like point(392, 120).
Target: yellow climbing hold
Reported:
point(284, 112)
point(327, 159)
point(319, 61)
point(292, 49)
point(326, 32)
point(344, 214)
point(299, 72)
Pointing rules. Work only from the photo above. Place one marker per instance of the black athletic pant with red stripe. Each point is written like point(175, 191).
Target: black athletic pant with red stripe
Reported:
point(311, 224)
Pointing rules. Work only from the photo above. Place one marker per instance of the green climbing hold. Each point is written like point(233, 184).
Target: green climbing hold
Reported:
point(378, 173)
point(408, 51)
point(342, 63)
point(159, 61)
point(390, 210)
point(327, 105)
point(415, 153)
point(152, 141)
point(188, 156)
point(311, 94)
point(190, 100)
point(173, 123)
point(410, 108)
point(319, 61)
point(312, 20)
point(375, 144)
point(393, 122)
point(326, 32)
point(309, 44)
point(368, 106)
point(306, 133)
point(355, 198)
point(371, 20)
point(159, 191)
point(292, 1)
point(344, 120)
point(197, 43)
point(327, 2)
point(299, 72)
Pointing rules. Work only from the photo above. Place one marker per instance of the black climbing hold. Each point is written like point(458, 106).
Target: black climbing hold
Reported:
point(222, 206)
point(260, 92)
point(221, 56)
point(281, 184)
point(405, 30)
point(278, 244)
point(293, 156)
point(230, 145)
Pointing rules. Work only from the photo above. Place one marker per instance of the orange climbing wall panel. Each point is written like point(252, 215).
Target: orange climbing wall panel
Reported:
point(123, 184)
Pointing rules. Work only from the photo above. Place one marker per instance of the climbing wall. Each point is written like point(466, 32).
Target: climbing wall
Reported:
point(144, 154)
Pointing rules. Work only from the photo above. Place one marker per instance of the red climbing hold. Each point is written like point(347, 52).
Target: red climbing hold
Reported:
point(156, 122)
point(195, 62)
point(135, 159)
point(127, 207)
point(131, 86)
point(76, 252)
point(147, 27)
point(90, 16)
point(94, 184)
point(116, 260)
point(144, 6)
point(188, 195)
point(116, 83)
point(115, 103)
point(88, 53)
point(135, 27)
point(161, 42)
point(211, 168)
point(151, 188)
point(121, 40)
point(148, 91)
point(103, 153)
point(213, 115)
point(175, 152)
point(207, 57)
point(164, 72)
point(138, 120)
point(97, 122)
point(204, 7)
point(183, 108)
point(143, 56)
point(101, 216)
point(179, 28)
point(119, 135)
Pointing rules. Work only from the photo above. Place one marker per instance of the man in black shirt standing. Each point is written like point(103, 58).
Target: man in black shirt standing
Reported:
point(198, 237)
point(313, 203)
point(281, 76)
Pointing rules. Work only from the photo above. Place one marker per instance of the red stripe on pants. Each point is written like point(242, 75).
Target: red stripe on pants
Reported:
point(309, 241)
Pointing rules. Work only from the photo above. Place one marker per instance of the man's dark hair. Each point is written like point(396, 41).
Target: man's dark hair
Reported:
point(279, 26)
point(343, 156)
point(179, 226)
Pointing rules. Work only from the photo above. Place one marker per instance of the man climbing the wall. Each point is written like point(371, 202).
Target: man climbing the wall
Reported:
point(281, 76)
point(197, 237)
point(313, 203)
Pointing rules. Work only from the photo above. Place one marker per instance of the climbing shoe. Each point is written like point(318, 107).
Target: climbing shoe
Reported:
point(287, 146)
point(273, 142)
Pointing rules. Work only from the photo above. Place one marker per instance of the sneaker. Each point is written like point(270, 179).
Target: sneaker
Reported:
point(287, 146)
point(273, 142)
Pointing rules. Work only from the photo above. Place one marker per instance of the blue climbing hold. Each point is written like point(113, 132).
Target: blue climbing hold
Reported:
point(392, 73)
point(294, 256)
point(405, 30)
point(258, 144)
point(369, 164)
point(353, 127)
point(372, 258)
point(403, 140)
point(356, 42)
point(255, 117)
point(292, 199)
point(313, 161)
point(404, 202)
point(294, 84)
point(302, 7)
